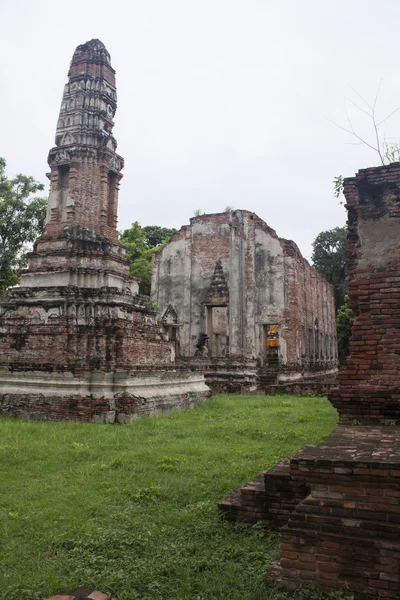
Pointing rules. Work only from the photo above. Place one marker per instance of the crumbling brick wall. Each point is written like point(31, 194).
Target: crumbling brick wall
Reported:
point(63, 344)
point(310, 314)
point(370, 379)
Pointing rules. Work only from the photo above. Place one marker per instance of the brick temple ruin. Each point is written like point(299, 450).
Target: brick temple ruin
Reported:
point(338, 503)
point(76, 339)
point(269, 316)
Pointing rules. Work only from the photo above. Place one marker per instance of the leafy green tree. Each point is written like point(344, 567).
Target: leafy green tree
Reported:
point(141, 243)
point(134, 240)
point(344, 324)
point(21, 222)
point(329, 257)
point(156, 235)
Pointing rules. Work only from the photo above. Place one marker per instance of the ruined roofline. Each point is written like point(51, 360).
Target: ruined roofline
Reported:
point(252, 215)
point(378, 170)
point(289, 247)
point(244, 212)
point(373, 182)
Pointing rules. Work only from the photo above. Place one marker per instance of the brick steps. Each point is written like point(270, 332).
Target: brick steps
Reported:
point(345, 535)
point(269, 498)
point(246, 504)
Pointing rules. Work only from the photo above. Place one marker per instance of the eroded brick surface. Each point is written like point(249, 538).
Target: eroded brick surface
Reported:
point(370, 379)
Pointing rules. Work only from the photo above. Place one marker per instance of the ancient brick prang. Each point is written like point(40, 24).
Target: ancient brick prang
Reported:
point(85, 169)
point(76, 340)
point(259, 301)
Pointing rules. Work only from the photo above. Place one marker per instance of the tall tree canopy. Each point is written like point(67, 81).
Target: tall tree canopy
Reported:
point(330, 260)
point(141, 243)
point(329, 257)
point(344, 324)
point(22, 217)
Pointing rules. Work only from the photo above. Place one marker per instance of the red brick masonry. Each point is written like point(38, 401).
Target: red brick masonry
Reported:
point(269, 498)
point(346, 533)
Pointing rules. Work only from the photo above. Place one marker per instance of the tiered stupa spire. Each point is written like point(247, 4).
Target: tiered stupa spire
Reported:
point(85, 168)
point(80, 239)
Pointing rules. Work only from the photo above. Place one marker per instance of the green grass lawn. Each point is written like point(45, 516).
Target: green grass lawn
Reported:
point(132, 509)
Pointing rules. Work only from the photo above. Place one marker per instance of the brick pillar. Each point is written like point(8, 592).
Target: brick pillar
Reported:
point(345, 535)
point(369, 382)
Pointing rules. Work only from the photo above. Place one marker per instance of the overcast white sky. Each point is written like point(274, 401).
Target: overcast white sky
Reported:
point(221, 102)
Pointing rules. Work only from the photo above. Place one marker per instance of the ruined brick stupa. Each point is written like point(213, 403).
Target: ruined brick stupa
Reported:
point(76, 339)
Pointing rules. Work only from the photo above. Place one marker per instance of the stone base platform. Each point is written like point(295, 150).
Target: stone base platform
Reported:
point(224, 374)
point(233, 374)
point(300, 388)
point(84, 395)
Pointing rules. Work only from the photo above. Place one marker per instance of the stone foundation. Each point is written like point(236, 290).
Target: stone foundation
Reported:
point(224, 375)
point(235, 375)
point(116, 397)
point(300, 388)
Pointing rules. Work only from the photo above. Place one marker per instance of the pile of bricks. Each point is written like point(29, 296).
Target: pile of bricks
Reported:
point(83, 593)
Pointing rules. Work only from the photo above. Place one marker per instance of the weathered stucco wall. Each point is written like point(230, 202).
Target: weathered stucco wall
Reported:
point(267, 282)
